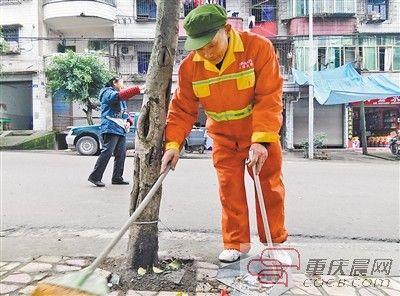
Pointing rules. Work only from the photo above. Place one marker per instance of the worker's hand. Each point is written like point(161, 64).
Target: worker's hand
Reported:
point(170, 157)
point(258, 154)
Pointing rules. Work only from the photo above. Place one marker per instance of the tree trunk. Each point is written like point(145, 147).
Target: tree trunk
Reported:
point(143, 238)
point(89, 114)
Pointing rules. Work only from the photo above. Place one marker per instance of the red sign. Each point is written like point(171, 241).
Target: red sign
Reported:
point(387, 101)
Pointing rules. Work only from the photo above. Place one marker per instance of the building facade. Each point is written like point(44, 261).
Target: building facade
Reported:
point(122, 32)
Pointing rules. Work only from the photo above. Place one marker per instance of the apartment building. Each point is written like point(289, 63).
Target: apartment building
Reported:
point(34, 31)
point(122, 31)
point(364, 31)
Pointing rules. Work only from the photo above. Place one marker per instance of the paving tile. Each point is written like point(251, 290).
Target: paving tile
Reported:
point(35, 267)
point(77, 262)
point(40, 276)
point(20, 278)
point(206, 265)
point(391, 292)
point(66, 268)
point(370, 292)
point(11, 266)
point(115, 293)
point(28, 290)
point(2, 263)
point(340, 291)
point(49, 259)
point(5, 288)
point(141, 293)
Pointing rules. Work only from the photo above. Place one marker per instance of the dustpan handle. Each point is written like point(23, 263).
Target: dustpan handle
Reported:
point(135, 215)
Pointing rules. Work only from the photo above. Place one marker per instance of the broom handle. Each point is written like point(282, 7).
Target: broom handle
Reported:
point(135, 215)
point(263, 212)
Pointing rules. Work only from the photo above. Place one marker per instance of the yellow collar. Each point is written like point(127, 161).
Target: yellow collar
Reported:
point(235, 45)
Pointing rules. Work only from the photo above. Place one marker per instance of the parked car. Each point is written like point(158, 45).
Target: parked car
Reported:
point(196, 141)
point(88, 141)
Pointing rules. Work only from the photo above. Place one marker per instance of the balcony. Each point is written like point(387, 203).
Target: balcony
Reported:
point(65, 14)
point(322, 8)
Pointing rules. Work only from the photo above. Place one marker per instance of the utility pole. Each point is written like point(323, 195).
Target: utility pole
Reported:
point(311, 81)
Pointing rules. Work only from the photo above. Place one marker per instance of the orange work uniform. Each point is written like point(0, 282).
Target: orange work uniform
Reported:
point(243, 103)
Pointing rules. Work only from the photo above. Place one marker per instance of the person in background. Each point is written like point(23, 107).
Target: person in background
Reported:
point(115, 123)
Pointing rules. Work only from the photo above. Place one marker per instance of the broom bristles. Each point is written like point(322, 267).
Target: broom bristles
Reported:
point(45, 289)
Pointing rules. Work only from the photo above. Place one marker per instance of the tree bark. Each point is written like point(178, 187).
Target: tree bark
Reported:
point(89, 114)
point(143, 238)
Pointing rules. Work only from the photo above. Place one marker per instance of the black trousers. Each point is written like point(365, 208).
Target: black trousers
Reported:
point(112, 143)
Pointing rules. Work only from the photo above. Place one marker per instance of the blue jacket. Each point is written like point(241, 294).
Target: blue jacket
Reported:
point(111, 107)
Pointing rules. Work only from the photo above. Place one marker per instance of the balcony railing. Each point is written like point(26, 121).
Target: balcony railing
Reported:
point(109, 2)
point(322, 7)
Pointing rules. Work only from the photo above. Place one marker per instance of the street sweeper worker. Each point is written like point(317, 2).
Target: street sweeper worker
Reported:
point(235, 77)
point(115, 123)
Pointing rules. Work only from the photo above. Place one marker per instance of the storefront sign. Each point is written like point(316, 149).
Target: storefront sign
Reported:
point(387, 101)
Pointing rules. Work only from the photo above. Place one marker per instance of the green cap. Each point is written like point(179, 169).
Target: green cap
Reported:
point(202, 23)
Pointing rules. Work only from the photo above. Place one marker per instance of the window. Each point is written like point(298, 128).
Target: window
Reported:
point(98, 45)
point(396, 58)
point(349, 54)
point(322, 64)
point(143, 58)
point(10, 33)
point(370, 58)
point(10, 39)
point(300, 7)
point(263, 12)
point(335, 57)
point(189, 5)
point(146, 9)
point(378, 7)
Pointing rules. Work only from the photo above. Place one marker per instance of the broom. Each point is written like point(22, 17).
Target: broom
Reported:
point(88, 281)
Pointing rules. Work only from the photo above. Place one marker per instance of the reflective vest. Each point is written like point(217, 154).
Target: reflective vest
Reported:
point(242, 100)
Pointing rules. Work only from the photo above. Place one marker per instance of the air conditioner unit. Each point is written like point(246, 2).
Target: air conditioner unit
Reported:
point(126, 50)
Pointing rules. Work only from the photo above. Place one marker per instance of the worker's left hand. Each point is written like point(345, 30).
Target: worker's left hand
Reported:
point(258, 154)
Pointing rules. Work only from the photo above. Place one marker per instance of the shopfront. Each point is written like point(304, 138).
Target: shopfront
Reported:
point(382, 118)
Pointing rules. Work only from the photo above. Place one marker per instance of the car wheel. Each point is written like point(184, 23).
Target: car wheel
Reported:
point(201, 149)
point(87, 145)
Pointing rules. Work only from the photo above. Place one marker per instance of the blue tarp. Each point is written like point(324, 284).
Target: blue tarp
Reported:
point(344, 85)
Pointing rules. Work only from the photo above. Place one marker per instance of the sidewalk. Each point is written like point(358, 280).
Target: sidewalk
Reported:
point(20, 277)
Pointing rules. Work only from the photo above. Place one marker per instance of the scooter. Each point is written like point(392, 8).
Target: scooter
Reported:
point(394, 145)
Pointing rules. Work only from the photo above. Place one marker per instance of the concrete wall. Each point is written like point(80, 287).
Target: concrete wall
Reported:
point(336, 26)
point(27, 17)
point(76, 8)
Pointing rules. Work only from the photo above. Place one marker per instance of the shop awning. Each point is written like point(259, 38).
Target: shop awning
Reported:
point(344, 85)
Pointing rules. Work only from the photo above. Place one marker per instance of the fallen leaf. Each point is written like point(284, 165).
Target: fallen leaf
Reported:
point(157, 270)
point(175, 264)
point(141, 271)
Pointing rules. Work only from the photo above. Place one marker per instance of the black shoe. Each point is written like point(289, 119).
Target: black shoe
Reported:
point(119, 182)
point(97, 183)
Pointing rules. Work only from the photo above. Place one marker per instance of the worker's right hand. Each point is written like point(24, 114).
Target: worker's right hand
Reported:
point(170, 157)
